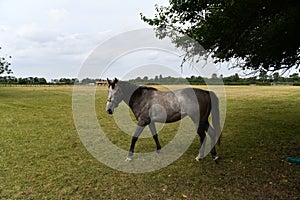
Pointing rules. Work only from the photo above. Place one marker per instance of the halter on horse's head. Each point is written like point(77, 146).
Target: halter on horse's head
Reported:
point(115, 95)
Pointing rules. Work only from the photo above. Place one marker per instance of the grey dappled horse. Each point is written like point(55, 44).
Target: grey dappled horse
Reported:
point(150, 105)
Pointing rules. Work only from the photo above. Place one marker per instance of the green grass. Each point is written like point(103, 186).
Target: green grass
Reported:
point(42, 157)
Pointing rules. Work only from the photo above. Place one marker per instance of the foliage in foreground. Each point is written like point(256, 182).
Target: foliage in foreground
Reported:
point(5, 65)
point(259, 34)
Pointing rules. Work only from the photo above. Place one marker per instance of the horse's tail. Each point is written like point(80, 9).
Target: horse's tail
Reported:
point(215, 116)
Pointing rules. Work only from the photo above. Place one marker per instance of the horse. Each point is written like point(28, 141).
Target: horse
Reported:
point(149, 105)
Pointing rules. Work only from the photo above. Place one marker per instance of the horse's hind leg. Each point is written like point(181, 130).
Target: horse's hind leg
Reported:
point(202, 127)
point(213, 138)
point(155, 136)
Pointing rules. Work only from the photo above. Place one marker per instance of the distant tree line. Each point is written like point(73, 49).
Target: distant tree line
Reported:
point(22, 81)
point(42, 81)
point(34, 81)
point(262, 79)
point(158, 80)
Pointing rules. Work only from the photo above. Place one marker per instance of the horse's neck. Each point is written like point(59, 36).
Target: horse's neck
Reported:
point(128, 89)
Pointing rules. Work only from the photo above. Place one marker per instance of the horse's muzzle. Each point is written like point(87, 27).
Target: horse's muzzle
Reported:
point(109, 111)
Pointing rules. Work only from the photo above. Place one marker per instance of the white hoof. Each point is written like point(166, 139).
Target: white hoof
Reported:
point(128, 159)
point(216, 158)
point(198, 158)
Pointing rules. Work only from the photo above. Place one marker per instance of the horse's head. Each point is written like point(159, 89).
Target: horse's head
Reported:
point(115, 95)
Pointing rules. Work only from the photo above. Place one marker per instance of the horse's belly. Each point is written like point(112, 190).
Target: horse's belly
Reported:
point(168, 119)
point(159, 114)
point(175, 117)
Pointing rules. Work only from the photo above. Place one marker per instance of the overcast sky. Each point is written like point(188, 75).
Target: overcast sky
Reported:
point(52, 39)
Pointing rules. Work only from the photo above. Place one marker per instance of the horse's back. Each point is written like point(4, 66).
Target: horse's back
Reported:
point(164, 107)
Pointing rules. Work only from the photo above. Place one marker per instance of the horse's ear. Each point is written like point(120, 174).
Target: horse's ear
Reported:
point(116, 80)
point(108, 81)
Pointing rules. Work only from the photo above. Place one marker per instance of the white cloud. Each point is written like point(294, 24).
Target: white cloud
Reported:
point(52, 42)
point(34, 33)
point(3, 28)
point(49, 38)
point(56, 55)
point(57, 14)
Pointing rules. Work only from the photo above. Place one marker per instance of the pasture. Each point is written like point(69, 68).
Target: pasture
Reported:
point(42, 157)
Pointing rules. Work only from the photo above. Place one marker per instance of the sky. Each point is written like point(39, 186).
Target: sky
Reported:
point(55, 39)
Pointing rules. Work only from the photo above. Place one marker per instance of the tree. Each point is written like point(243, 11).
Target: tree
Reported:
point(276, 77)
point(145, 79)
point(22, 81)
point(255, 34)
point(263, 75)
point(4, 65)
point(236, 77)
point(42, 81)
point(295, 77)
point(214, 76)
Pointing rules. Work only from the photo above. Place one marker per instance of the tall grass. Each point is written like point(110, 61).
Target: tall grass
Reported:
point(42, 157)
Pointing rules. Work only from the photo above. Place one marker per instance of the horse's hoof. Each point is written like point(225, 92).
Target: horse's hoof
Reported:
point(158, 151)
point(216, 159)
point(128, 159)
point(198, 158)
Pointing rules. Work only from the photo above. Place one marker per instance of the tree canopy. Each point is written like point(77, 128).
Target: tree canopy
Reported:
point(4, 65)
point(256, 34)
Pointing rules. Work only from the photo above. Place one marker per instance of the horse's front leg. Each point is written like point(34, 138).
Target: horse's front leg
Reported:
point(139, 129)
point(155, 136)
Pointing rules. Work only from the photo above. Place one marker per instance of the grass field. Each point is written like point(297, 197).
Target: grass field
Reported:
point(42, 157)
